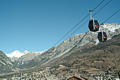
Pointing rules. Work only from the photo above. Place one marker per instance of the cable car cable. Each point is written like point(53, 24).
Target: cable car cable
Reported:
point(106, 21)
point(96, 12)
point(78, 23)
point(78, 28)
point(72, 29)
point(102, 36)
point(98, 5)
point(102, 7)
point(111, 16)
point(94, 24)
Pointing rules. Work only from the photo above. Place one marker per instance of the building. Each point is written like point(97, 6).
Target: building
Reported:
point(75, 78)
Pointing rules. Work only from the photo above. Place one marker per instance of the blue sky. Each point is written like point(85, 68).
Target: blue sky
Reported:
point(36, 25)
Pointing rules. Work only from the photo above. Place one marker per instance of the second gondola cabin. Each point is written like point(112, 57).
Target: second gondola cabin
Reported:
point(102, 36)
point(93, 25)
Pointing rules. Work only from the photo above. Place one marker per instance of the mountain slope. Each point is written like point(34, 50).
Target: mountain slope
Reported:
point(5, 63)
point(86, 62)
point(86, 40)
point(98, 58)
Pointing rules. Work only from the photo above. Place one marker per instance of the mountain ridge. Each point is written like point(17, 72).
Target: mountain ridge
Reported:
point(78, 40)
point(81, 61)
point(81, 54)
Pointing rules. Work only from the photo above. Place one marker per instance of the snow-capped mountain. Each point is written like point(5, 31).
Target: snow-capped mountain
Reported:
point(16, 54)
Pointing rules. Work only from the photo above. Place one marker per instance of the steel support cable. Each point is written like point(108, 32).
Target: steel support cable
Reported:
point(103, 7)
point(78, 23)
point(98, 5)
point(72, 29)
point(111, 16)
point(110, 47)
point(96, 12)
point(78, 27)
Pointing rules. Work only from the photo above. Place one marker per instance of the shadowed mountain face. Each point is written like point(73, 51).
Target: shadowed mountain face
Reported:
point(5, 63)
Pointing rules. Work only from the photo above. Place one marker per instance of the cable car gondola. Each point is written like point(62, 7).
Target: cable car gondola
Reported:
point(102, 36)
point(93, 24)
